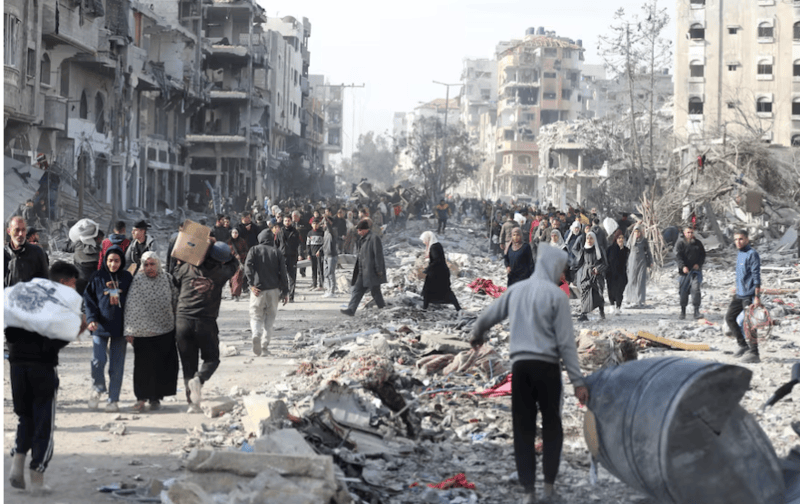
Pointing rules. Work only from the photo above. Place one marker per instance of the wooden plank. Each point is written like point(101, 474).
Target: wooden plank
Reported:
point(680, 345)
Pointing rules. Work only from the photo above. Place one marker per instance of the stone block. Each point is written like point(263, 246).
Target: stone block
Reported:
point(260, 408)
point(283, 441)
point(217, 407)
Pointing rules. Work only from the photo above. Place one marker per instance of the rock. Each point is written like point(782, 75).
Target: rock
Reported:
point(186, 492)
point(283, 441)
point(217, 407)
point(260, 408)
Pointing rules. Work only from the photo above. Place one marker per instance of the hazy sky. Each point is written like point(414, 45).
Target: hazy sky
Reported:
point(397, 48)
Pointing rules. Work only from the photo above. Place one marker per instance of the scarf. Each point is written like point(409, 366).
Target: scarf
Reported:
point(596, 245)
point(428, 238)
point(560, 242)
point(150, 307)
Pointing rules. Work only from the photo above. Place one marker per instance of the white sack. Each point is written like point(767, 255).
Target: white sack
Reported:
point(44, 307)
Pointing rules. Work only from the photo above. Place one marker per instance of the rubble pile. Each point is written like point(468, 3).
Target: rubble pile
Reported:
point(394, 406)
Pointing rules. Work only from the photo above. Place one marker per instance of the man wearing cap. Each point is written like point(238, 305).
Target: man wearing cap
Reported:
point(23, 261)
point(140, 244)
point(196, 331)
point(370, 269)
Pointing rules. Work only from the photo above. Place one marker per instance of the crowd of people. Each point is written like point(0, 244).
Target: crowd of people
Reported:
point(168, 312)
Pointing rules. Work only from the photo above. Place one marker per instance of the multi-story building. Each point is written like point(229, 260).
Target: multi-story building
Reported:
point(478, 92)
point(737, 70)
point(538, 84)
point(329, 98)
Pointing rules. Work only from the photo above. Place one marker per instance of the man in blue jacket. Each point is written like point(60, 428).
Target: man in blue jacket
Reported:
point(748, 291)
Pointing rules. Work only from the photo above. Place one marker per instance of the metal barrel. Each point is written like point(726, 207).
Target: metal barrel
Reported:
point(673, 429)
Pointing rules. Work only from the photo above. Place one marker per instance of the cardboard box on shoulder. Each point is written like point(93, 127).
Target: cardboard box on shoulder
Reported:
point(192, 243)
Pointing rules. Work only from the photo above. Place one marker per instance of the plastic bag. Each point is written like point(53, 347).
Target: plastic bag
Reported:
point(48, 308)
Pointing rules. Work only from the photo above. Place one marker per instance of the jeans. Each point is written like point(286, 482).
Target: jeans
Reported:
point(694, 289)
point(263, 310)
point(737, 306)
point(330, 274)
point(357, 292)
point(111, 350)
point(536, 386)
point(193, 337)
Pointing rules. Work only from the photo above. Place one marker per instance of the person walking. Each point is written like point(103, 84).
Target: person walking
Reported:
point(86, 239)
point(505, 230)
point(541, 337)
point(330, 256)
point(591, 264)
point(196, 331)
point(436, 288)
point(104, 303)
point(265, 269)
point(690, 256)
point(140, 244)
point(314, 241)
point(639, 260)
point(518, 258)
point(150, 328)
point(239, 249)
point(442, 213)
point(617, 273)
point(748, 291)
point(369, 272)
point(33, 359)
point(290, 247)
point(118, 237)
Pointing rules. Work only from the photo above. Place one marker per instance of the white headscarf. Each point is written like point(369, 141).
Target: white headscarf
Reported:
point(428, 238)
point(596, 245)
point(560, 242)
point(574, 229)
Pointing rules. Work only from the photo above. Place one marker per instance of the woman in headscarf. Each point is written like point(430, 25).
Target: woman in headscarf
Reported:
point(436, 288)
point(239, 249)
point(150, 328)
point(639, 260)
point(104, 301)
point(617, 275)
point(556, 240)
point(591, 264)
point(518, 258)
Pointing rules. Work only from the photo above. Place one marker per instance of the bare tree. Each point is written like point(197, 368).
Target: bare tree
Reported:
point(373, 159)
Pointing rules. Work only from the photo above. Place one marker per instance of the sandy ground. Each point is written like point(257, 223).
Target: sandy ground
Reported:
point(88, 457)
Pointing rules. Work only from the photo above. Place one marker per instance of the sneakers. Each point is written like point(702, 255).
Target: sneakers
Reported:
point(194, 408)
point(196, 391)
point(37, 484)
point(17, 477)
point(112, 407)
point(613, 310)
point(327, 295)
point(347, 312)
point(256, 345)
point(94, 400)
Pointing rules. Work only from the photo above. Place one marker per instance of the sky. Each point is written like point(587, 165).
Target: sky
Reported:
point(396, 49)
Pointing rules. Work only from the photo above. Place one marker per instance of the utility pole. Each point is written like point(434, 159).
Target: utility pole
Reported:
point(443, 164)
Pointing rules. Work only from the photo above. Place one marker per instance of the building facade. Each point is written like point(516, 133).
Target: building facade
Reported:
point(737, 70)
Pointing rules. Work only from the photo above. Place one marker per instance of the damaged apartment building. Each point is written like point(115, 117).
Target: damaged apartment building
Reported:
point(156, 105)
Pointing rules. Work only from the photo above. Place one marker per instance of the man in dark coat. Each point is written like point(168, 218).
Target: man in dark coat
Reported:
point(248, 230)
point(690, 255)
point(22, 260)
point(289, 242)
point(220, 232)
point(370, 269)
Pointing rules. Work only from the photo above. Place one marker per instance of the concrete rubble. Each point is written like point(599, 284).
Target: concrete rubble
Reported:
point(384, 403)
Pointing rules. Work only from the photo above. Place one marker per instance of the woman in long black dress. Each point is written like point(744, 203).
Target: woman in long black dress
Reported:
point(436, 288)
point(592, 265)
point(518, 258)
point(617, 274)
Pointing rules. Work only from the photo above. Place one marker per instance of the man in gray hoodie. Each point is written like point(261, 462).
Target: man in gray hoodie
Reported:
point(541, 335)
point(265, 270)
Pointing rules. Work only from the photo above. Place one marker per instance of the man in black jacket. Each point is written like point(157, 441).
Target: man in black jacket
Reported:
point(369, 272)
point(22, 260)
point(690, 255)
point(301, 224)
point(220, 232)
point(196, 331)
point(33, 358)
point(248, 230)
point(265, 270)
point(290, 246)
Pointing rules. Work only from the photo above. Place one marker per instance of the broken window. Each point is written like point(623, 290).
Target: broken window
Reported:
point(764, 105)
point(486, 94)
point(83, 110)
point(549, 75)
point(765, 30)
point(731, 105)
point(550, 52)
point(548, 96)
point(796, 68)
point(696, 69)
point(796, 107)
point(31, 67)
point(697, 32)
point(733, 30)
point(566, 94)
point(549, 116)
point(508, 135)
point(44, 71)
point(524, 160)
point(695, 106)
point(566, 53)
point(732, 68)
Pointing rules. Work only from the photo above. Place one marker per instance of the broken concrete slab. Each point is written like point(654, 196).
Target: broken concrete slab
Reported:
point(284, 442)
point(218, 407)
point(262, 408)
point(186, 492)
point(343, 404)
point(443, 343)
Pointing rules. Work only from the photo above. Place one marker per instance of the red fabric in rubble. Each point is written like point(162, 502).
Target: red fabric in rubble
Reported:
point(486, 286)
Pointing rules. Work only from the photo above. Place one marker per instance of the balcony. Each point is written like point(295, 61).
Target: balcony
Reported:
point(55, 113)
point(226, 95)
point(65, 26)
point(512, 146)
point(215, 138)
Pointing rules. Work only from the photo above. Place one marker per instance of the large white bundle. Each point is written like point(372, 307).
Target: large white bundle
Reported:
point(44, 307)
point(84, 230)
point(610, 225)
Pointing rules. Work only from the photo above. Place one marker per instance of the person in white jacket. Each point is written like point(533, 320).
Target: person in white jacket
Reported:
point(541, 336)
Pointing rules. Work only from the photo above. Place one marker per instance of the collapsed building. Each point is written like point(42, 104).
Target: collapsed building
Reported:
point(159, 105)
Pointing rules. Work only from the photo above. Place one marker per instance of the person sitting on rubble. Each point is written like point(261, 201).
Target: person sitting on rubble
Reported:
point(436, 288)
point(541, 337)
point(690, 256)
point(518, 258)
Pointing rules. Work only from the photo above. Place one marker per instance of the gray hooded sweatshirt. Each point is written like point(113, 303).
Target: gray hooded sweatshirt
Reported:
point(541, 325)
